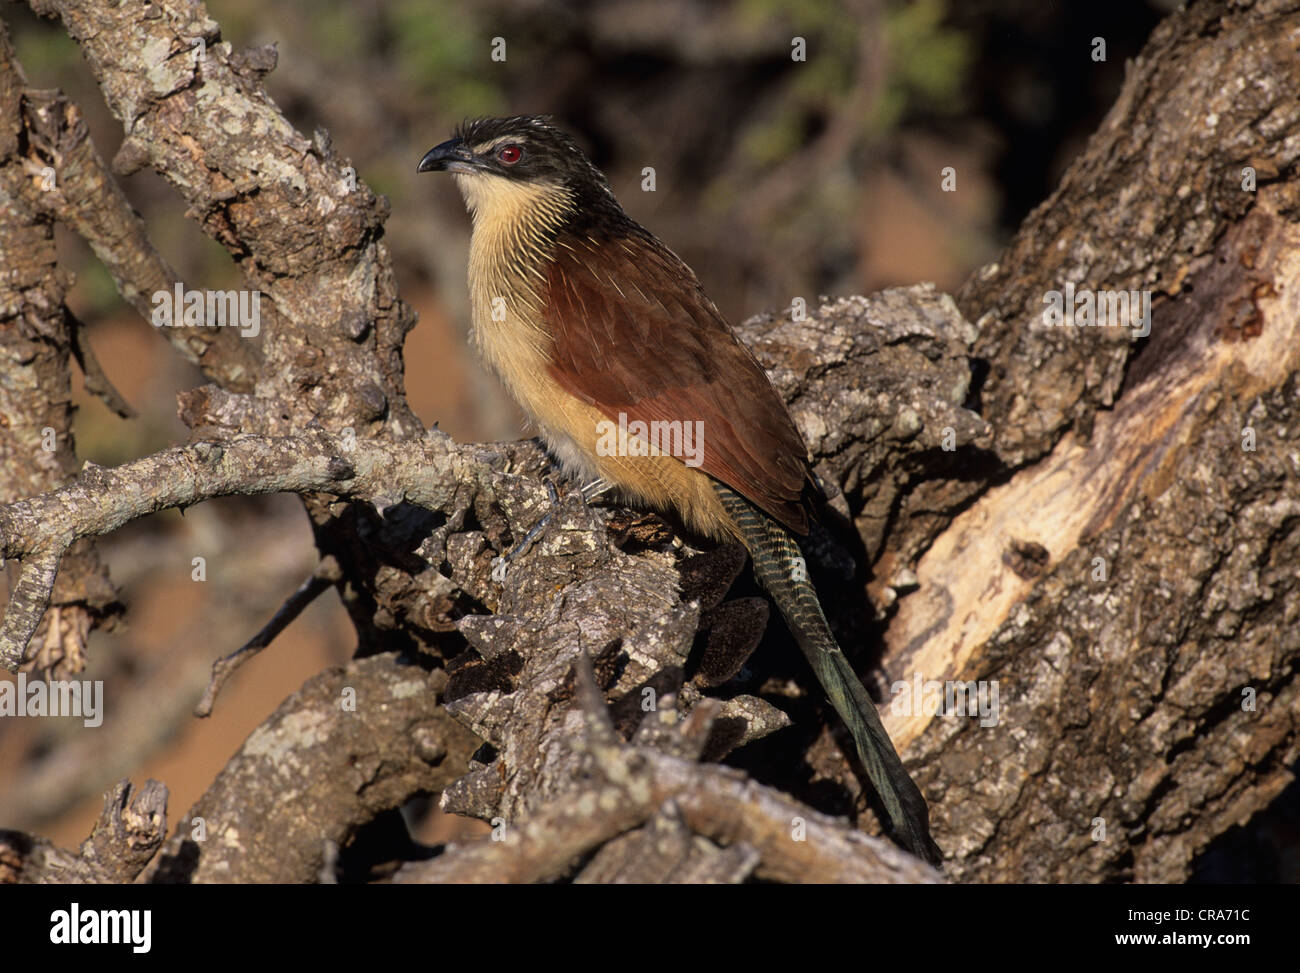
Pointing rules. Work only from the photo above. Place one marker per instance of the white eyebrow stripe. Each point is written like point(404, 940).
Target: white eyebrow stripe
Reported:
point(481, 148)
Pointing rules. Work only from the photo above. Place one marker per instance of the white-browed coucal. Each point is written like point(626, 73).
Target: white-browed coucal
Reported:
point(590, 321)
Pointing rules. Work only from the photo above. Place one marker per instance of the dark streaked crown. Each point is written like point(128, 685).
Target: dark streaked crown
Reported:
point(549, 154)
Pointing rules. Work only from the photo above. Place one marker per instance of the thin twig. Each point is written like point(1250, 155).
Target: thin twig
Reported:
point(97, 382)
point(327, 573)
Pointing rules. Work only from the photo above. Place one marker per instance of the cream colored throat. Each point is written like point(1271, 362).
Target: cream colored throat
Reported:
point(512, 222)
point(509, 249)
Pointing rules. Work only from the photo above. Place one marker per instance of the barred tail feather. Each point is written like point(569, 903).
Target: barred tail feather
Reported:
point(779, 566)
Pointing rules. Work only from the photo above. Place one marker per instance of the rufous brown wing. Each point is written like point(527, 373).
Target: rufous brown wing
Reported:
point(635, 334)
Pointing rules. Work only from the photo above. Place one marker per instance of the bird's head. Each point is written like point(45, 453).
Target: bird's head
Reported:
point(504, 160)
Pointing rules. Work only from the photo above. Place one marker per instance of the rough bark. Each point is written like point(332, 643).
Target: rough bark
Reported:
point(353, 742)
point(1133, 589)
point(38, 338)
point(128, 834)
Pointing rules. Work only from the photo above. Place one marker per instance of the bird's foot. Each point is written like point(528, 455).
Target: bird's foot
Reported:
point(588, 492)
point(594, 490)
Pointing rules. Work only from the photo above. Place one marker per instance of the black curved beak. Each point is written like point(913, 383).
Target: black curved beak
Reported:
point(450, 156)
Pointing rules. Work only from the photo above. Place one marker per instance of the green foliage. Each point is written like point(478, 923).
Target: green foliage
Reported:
point(444, 52)
point(388, 178)
point(928, 64)
point(98, 288)
point(927, 69)
point(810, 16)
point(46, 52)
point(773, 139)
point(337, 33)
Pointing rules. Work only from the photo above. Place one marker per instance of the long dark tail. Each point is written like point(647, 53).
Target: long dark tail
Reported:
point(780, 568)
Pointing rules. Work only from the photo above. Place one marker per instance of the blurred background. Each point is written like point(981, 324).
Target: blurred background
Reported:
point(774, 178)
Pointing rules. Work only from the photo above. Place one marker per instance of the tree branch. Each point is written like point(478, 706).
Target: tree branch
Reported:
point(778, 838)
point(352, 742)
point(433, 473)
point(61, 177)
point(327, 574)
point(129, 831)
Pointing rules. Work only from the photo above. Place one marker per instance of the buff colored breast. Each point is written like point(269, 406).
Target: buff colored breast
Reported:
point(506, 250)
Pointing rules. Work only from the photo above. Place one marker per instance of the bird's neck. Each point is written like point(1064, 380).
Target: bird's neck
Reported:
point(514, 231)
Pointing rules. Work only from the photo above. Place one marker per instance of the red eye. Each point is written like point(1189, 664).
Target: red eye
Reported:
point(510, 154)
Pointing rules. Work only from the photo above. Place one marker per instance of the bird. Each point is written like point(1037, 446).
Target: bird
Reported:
point(635, 381)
